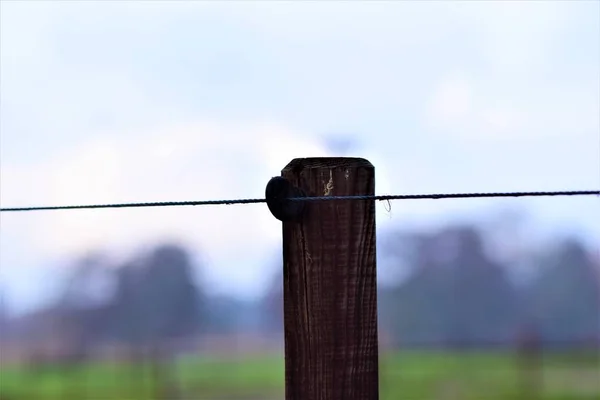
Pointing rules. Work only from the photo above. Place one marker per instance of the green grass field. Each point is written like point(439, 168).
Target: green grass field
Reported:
point(406, 375)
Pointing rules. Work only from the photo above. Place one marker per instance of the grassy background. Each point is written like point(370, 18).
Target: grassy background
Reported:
point(403, 376)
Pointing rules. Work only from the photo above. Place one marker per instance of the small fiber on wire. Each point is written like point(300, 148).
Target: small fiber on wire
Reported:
point(319, 198)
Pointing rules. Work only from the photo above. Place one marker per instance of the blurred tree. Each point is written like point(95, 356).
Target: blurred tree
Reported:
point(88, 284)
point(271, 304)
point(456, 294)
point(170, 292)
point(564, 302)
point(483, 306)
point(149, 298)
point(82, 307)
point(156, 296)
point(127, 323)
point(414, 310)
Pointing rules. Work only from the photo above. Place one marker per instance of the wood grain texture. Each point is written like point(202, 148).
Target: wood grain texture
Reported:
point(330, 290)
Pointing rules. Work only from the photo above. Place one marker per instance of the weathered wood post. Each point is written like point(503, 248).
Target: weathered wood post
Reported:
point(530, 360)
point(330, 292)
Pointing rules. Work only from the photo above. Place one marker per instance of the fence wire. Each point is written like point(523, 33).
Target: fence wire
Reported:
point(312, 199)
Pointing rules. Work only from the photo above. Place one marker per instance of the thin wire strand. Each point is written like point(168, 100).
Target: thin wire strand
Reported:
point(318, 198)
point(454, 195)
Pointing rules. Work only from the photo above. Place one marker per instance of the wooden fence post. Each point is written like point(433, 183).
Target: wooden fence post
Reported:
point(530, 362)
point(330, 290)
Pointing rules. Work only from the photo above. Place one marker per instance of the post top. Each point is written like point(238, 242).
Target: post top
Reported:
point(299, 164)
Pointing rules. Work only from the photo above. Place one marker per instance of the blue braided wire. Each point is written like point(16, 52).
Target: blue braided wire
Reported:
point(320, 198)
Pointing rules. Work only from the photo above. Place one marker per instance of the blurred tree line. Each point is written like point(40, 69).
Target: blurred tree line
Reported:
point(153, 298)
point(457, 293)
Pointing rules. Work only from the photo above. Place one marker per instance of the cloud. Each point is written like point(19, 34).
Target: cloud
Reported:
point(459, 107)
point(527, 80)
point(205, 160)
point(189, 162)
point(452, 103)
point(138, 101)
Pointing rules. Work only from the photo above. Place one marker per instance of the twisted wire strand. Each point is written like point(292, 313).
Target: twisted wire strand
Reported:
point(453, 195)
point(317, 198)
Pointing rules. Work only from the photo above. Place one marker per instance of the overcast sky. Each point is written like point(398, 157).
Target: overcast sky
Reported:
point(151, 101)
